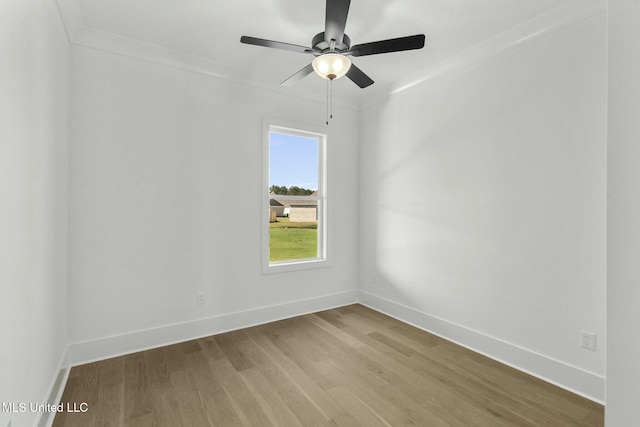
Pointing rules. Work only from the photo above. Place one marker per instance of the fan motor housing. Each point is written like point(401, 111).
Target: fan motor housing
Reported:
point(320, 44)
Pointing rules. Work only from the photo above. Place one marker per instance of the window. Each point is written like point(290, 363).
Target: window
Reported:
point(294, 228)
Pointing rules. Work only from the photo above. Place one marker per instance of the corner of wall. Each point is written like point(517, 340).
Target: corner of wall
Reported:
point(572, 378)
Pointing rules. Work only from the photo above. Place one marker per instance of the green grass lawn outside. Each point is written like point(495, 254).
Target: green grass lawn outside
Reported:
point(292, 240)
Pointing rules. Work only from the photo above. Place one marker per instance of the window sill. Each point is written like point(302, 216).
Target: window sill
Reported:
point(294, 265)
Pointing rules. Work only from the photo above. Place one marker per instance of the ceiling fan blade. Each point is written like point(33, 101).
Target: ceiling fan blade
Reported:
point(298, 76)
point(336, 19)
point(358, 77)
point(277, 45)
point(386, 46)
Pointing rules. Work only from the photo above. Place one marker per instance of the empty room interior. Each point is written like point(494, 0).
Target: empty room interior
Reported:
point(474, 213)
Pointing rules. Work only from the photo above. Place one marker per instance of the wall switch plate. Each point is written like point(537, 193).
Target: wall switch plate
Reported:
point(588, 340)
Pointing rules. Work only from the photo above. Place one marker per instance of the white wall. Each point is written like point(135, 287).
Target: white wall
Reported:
point(623, 251)
point(483, 207)
point(165, 202)
point(34, 87)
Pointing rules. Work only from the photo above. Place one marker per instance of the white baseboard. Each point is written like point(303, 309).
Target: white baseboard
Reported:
point(576, 380)
point(54, 392)
point(104, 348)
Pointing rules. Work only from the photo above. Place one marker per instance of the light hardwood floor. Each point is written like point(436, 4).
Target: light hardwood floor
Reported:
point(350, 366)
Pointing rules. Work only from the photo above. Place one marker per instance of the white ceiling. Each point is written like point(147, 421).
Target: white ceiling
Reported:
point(204, 35)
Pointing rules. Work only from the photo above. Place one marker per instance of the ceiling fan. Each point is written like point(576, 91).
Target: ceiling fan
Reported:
point(333, 47)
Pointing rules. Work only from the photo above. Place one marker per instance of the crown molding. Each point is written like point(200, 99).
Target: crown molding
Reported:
point(79, 34)
point(550, 22)
point(71, 17)
point(543, 25)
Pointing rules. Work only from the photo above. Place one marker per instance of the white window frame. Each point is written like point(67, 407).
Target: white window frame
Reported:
point(322, 260)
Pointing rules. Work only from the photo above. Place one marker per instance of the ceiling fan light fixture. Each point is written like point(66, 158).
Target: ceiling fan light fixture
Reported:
point(331, 65)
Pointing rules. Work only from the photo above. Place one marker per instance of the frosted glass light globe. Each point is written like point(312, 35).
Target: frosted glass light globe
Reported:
point(331, 65)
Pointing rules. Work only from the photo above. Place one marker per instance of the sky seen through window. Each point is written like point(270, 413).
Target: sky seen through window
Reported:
point(293, 161)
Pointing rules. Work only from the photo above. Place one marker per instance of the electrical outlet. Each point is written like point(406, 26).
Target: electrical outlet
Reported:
point(201, 299)
point(588, 340)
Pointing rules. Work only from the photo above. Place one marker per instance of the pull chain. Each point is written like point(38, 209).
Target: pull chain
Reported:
point(329, 99)
point(328, 82)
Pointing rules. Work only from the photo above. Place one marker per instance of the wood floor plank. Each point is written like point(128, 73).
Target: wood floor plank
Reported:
point(301, 393)
point(273, 406)
point(229, 344)
point(213, 397)
point(174, 355)
point(110, 393)
point(336, 332)
point(138, 402)
point(438, 395)
point(298, 402)
point(494, 383)
point(164, 410)
point(486, 393)
point(248, 407)
point(365, 414)
point(350, 366)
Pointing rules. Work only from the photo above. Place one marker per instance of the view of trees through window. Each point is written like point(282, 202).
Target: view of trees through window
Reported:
point(291, 191)
point(294, 199)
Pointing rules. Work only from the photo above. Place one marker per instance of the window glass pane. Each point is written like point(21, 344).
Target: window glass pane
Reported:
point(293, 197)
point(293, 162)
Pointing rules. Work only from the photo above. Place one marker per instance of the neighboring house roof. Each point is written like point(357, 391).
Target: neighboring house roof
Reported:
point(277, 200)
point(294, 201)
